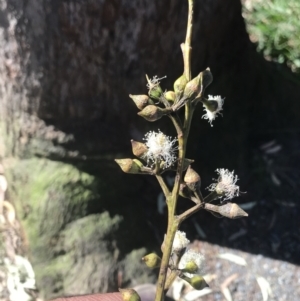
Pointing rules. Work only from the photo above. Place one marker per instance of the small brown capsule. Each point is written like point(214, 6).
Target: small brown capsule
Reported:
point(141, 101)
point(138, 148)
point(230, 210)
point(153, 113)
point(130, 165)
point(192, 179)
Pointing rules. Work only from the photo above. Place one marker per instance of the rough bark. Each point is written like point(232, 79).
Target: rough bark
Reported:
point(66, 69)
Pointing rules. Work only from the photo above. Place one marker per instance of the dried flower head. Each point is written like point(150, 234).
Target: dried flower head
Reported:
point(155, 90)
point(155, 81)
point(225, 186)
point(192, 262)
point(180, 241)
point(213, 106)
point(160, 148)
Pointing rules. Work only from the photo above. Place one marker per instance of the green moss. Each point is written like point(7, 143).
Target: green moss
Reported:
point(72, 251)
point(90, 229)
point(48, 196)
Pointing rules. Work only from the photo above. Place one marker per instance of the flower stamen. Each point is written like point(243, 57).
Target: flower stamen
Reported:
point(225, 187)
point(160, 149)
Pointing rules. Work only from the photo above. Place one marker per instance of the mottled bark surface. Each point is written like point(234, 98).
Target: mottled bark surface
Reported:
point(66, 69)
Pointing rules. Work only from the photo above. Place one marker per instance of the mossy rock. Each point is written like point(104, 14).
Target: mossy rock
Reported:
point(49, 196)
point(71, 250)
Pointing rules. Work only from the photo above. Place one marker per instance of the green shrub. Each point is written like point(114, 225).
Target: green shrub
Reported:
point(275, 26)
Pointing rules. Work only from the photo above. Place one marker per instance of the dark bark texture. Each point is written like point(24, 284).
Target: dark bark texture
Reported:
point(66, 69)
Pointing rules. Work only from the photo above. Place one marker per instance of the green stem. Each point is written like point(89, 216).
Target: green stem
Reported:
point(163, 186)
point(211, 197)
point(177, 124)
point(173, 221)
point(171, 279)
point(160, 289)
point(189, 212)
point(187, 52)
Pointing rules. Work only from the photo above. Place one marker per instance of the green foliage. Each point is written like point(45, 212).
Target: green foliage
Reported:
point(275, 26)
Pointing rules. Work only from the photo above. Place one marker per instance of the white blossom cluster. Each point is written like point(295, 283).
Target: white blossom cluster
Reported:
point(226, 184)
point(180, 241)
point(161, 148)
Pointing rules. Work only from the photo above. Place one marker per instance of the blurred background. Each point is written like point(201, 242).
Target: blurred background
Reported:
point(67, 210)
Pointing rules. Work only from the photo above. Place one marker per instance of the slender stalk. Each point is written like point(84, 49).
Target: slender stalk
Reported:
point(163, 186)
point(188, 39)
point(211, 197)
point(173, 221)
point(177, 124)
point(160, 288)
point(189, 212)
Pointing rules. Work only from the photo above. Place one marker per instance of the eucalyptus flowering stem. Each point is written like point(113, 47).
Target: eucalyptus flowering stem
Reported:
point(173, 221)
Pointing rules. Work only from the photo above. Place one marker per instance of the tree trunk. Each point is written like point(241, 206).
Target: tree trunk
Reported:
point(66, 69)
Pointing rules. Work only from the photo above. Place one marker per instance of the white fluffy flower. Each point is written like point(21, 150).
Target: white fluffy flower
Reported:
point(180, 241)
point(160, 148)
point(213, 106)
point(191, 261)
point(226, 184)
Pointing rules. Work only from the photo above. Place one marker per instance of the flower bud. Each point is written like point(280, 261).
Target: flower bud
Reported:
point(191, 267)
point(197, 282)
point(152, 260)
point(192, 179)
point(191, 91)
point(138, 148)
point(170, 96)
point(155, 91)
point(179, 86)
point(193, 88)
point(230, 210)
point(153, 113)
point(184, 191)
point(187, 163)
point(206, 78)
point(129, 294)
point(133, 166)
point(141, 101)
